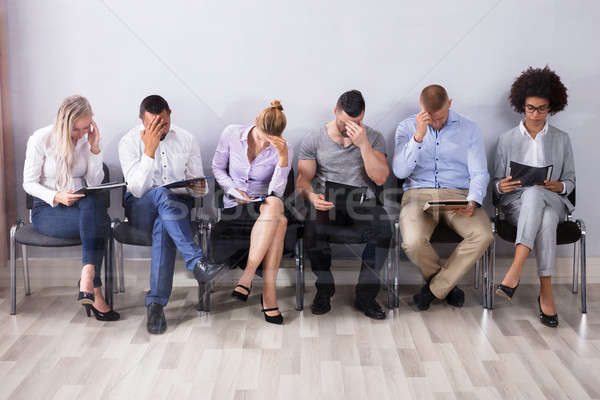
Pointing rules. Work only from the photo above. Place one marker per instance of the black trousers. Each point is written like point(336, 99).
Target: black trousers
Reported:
point(367, 223)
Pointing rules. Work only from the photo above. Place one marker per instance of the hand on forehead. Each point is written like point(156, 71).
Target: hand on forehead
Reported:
point(164, 116)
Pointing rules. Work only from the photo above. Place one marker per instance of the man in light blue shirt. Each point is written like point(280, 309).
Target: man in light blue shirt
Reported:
point(440, 156)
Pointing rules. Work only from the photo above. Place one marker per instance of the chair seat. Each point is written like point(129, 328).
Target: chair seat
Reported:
point(233, 237)
point(126, 233)
point(567, 232)
point(342, 234)
point(28, 235)
point(444, 234)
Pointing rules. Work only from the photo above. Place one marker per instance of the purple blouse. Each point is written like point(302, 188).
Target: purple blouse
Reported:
point(231, 167)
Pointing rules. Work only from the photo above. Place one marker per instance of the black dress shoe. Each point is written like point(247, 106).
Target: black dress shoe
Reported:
point(157, 323)
point(456, 297)
point(548, 320)
point(273, 319)
point(424, 298)
point(205, 271)
point(321, 304)
point(371, 308)
point(507, 291)
point(84, 298)
point(110, 315)
point(239, 295)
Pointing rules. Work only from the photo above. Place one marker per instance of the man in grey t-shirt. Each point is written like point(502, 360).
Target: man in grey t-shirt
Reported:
point(345, 152)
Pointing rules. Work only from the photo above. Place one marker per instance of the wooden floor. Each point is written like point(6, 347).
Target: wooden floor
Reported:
point(50, 350)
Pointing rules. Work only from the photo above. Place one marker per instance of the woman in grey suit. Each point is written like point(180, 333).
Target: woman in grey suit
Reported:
point(535, 210)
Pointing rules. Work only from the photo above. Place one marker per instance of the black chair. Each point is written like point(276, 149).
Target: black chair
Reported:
point(293, 242)
point(25, 234)
point(443, 234)
point(347, 235)
point(125, 233)
point(567, 232)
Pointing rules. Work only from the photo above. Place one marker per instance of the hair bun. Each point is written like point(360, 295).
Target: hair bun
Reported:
point(277, 104)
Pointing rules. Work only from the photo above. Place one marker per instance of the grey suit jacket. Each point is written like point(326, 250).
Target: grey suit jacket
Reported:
point(558, 151)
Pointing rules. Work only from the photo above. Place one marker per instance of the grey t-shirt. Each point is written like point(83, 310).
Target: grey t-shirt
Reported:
point(336, 163)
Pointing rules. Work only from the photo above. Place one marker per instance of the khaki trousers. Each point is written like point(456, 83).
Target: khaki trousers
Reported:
point(417, 226)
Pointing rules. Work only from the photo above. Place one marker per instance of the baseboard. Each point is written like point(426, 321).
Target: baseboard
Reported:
point(65, 272)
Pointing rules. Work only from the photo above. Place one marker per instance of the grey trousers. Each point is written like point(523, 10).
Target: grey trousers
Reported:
point(536, 212)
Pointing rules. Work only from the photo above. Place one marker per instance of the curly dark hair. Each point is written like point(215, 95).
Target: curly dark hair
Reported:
point(538, 82)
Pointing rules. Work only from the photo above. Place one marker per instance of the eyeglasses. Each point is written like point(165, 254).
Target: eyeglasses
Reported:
point(530, 108)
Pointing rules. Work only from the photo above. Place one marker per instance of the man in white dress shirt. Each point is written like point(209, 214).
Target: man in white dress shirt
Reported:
point(153, 154)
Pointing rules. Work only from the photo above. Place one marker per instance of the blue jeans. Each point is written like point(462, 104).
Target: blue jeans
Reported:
point(87, 220)
point(167, 216)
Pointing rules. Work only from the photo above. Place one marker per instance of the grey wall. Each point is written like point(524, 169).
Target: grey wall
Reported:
point(222, 62)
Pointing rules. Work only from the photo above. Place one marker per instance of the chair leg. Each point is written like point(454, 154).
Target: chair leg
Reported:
point(299, 305)
point(491, 271)
point(201, 289)
point(13, 272)
point(396, 284)
point(207, 292)
point(477, 272)
point(120, 266)
point(484, 263)
point(388, 278)
point(583, 274)
point(109, 271)
point(575, 268)
point(26, 270)
point(300, 274)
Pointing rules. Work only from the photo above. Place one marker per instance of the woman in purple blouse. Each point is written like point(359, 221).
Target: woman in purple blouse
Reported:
point(251, 164)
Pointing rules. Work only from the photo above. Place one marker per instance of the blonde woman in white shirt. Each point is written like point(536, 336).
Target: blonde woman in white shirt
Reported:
point(59, 159)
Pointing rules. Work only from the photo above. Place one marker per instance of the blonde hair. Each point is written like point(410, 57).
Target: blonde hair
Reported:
point(71, 109)
point(272, 120)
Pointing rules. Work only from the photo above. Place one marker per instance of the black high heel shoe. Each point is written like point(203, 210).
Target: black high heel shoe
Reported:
point(239, 295)
point(548, 320)
point(507, 291)
point(275, 319)
point(111, 315)
point(84, 297)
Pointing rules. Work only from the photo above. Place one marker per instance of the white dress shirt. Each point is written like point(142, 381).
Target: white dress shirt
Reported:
point(534, 153)
point(177, 157)
point(39, 171)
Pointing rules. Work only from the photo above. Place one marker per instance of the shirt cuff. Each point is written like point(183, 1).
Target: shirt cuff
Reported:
point(475, 198)
point(498, 187)
point(413, 148)
point(48, 197)
point(147, 163)
point(96, 157)
point(278, 183)
point(564, 191)
point(414, 145)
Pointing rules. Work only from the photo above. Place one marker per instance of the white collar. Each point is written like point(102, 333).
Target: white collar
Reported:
point(524, 131)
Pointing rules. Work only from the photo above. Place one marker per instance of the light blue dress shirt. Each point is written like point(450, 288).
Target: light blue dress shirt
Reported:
point(451, 158)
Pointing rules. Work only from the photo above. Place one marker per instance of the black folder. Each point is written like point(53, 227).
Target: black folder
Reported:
point(528, 175)
point(99, 188)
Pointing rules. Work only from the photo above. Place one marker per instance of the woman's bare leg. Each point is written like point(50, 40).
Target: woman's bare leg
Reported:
point(87, 285)
point(547, 295)
point(261, 238)
point(511, 279)
point(271, 268)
